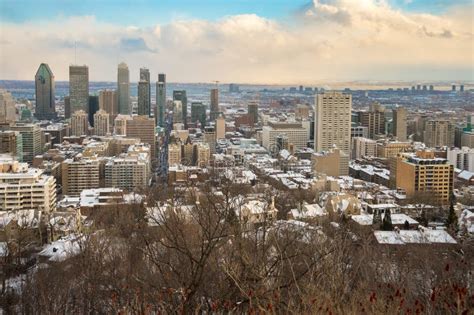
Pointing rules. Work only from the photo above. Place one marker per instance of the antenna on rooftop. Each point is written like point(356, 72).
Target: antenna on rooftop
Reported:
point(75, 52)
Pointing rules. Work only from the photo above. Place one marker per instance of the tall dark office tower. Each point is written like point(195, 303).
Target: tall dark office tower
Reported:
point(453, 87)
point(461, 88)
point(180, 95)
point(160, 99)
point(198, 113)
point(44, 90)
point(144, 93)
point(93, 108)
point(123, 89)
point(67, 107)
point(79, 88)
point(214, 103)
point(252, 110)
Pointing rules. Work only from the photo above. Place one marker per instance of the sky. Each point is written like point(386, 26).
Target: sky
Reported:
point(243, 41)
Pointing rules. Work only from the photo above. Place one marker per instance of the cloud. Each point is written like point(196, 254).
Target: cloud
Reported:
point(134, 44)
point(326, 40)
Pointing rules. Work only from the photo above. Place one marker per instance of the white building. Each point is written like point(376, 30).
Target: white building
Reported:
point(462, 158)
point(363, 147)
point(24, 188)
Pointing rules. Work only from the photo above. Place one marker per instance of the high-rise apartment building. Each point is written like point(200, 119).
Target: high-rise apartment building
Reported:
point(143, 128)
point(79, 88)
point(462, 159)
point(101, 123)
point(180, 95)
point(79, 123)
point(438, 133)
point(422, 172)
point(214, 103)
point(79, 174)
point(129, 171)
point(203, 154)
point(160, 99)
point(220, 127)
point(11, 142)
point(7, 108)
point(333, 162)
point(374, 120)
point(108, 102)
point(120, 124)
point(333, 121)
point(144, 93)
point(123, 89)
point(252, 110)
point(363, 147)
point(174, 154)
point(44, 91)
point(25, 188)
point(31, 140)
point(400, 123)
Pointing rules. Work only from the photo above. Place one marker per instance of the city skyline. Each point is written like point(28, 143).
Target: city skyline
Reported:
point(283, 42)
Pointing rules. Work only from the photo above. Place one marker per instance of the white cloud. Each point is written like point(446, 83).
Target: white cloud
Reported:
point(328, 40)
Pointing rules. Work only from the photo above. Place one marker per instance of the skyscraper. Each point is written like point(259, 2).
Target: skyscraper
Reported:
point(438, 133)
point(7, 108)
point(198, 113)
point(44, 91)
point(214, 103)
point(101, 123)
point(79, 123)
point(93, 108)
point(220, 127)
point(144, 93)
point(79, 88)
point(400, 123)
point(143, 128)
point(180, 95)
point(160, 99)
point(252, 110)
point(333, 121)
point(332, 117)
point(123, 88)
point(109, 103)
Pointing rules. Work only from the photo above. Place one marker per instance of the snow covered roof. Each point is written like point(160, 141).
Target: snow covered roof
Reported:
point(421, 236)
point(397, 219)
point(308, 211)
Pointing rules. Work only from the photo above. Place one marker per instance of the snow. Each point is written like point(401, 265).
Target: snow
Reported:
point(63, 248)
point(397, 219)
point(421, 236)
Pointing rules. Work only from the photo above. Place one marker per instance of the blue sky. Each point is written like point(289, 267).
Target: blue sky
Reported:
point(149, 12)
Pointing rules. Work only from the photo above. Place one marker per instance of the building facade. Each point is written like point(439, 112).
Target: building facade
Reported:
point(79, 88)
point(45, 107)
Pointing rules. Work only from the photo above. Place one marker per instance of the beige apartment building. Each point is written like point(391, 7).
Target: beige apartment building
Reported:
point(438, 133)
point(25, 188)
point(332, 163)
point(79, 123)
point(400, 123)
point(332, 121)
point(79, 174)
point(101, 123)
point(143, 128)
point(388, 149)
point(422, 172)
point(294, 131)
